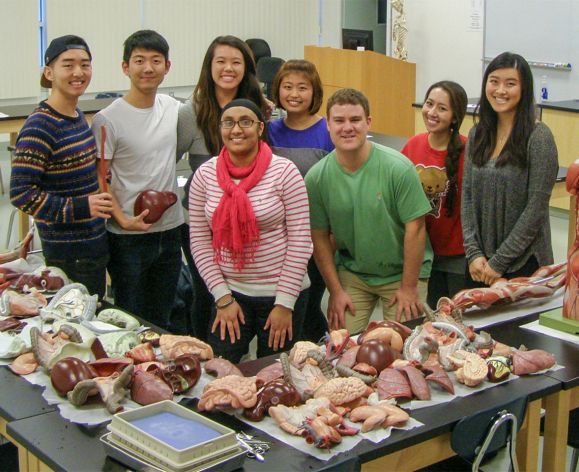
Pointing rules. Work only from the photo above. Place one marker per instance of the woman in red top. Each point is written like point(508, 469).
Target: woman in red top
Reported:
point(438, 156)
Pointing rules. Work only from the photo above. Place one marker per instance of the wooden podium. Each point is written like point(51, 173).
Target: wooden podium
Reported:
point(388, 83)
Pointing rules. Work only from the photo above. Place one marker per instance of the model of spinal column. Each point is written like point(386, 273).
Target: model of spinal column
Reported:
point(399, 31)
point(571, 298)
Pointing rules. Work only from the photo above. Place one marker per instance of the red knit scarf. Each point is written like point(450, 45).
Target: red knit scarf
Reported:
point(235, 231)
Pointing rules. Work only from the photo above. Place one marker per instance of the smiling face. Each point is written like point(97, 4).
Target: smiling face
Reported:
point(503, 90)
point(296, 94)
point(227, 67)
point(70, 73)
point(146, 69)
point(437, 112)
point(348, 126)
point(242, 143)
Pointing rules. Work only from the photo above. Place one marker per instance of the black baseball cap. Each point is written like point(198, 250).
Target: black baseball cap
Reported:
point(59, 45)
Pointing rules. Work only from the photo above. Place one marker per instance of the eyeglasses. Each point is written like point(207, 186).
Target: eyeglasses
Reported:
point(243, 123)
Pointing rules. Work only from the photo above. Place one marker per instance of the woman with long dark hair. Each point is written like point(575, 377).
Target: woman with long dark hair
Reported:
point(510, 170)
point(438, 156)
point(228, 72)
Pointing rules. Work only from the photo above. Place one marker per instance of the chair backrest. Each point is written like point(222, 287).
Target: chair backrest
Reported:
point(267, 68)
point(470, 432)
point(259, 48)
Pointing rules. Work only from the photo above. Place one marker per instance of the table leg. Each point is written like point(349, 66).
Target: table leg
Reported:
point(23, 225)
point(528, 438)
point(555, 433)
point(413, 457)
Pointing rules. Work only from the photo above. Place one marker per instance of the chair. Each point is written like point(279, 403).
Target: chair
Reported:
point(259, 48)
point(489, 430)
point(573, 437)
point(267, 68)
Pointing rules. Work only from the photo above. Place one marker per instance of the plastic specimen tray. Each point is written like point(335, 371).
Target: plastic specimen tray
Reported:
point(173, 436)
point(229, 461)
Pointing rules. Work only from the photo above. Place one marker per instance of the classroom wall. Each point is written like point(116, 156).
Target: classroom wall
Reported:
point(442, 46)
point(188, 25)
point(20, 55)
point(542, 31)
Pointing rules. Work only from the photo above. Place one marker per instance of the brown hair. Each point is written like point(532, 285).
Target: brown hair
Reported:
point(300, 66)
point(204, 99)
point(348, 96)
point(458, 103)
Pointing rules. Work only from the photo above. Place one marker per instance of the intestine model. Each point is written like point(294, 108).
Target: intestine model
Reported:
point(570, 300)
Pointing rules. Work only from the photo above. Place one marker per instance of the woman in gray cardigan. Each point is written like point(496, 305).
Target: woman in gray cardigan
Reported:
point(510, 170)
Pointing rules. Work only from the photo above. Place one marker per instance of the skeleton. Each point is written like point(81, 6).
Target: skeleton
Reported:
point(399, 31)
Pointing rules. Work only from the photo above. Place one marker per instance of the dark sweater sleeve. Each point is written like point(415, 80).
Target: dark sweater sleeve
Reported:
point(33, 151)
point(543, 166)
point(472, 248)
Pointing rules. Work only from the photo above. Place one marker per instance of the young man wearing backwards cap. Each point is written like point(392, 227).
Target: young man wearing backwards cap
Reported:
point(140, 148)
point(54, 172)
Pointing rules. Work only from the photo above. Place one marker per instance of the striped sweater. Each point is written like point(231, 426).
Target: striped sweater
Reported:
point(280, 203)
point(53, 173)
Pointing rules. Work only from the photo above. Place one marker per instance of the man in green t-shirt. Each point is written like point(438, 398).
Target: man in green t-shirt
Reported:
point(369, 197)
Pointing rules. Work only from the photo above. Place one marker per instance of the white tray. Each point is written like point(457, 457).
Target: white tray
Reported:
point(171, 434)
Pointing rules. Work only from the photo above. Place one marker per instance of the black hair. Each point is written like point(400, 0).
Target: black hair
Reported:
point(145, 39)
point(485, 137)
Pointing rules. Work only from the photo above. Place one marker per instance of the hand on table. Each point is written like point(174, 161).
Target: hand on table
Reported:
point(227, 319)
point(279, 323)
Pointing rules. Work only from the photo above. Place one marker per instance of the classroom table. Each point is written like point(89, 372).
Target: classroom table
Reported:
point(57, 444)
point(19, 400)
point(12, 117)
point(556, 406)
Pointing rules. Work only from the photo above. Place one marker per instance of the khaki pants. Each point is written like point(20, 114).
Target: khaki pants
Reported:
point(366, 296)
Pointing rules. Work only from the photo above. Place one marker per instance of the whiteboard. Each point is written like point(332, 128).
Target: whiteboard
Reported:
point(545, 31)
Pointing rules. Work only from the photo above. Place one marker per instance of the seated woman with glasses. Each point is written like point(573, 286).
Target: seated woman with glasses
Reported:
point(250, 238)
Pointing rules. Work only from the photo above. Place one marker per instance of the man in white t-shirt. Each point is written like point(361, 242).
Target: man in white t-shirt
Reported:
point(140, 147)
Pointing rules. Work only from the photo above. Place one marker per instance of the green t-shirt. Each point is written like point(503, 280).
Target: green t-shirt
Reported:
point(367, 210)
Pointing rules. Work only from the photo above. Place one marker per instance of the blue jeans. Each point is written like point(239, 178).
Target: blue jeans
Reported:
point(92, 273)
point(256, 311)
point(144, 270)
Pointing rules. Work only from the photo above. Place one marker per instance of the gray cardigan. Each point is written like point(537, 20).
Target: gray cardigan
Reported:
point(505, 210)
point(190, 138)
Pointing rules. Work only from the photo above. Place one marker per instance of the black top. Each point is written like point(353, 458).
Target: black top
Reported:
point(22, 111)
point(20, 399)
point(563, 105)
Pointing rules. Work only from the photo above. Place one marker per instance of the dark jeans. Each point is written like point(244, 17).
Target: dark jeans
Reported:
point(198, 324)
point(144, 270)
point(92, 273)
point(530, 266)
point(443, 284)
point(315, 323)
point(256, 311)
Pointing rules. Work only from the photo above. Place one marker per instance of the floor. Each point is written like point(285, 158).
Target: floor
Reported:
point(558, 221)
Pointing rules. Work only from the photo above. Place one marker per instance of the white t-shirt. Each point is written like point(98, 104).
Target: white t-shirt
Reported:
point(142, 143)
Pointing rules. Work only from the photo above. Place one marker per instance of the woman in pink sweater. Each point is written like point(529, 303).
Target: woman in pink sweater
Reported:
point(250, 238)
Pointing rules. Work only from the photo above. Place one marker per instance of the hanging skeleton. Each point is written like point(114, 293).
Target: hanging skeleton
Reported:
point(399, 31)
